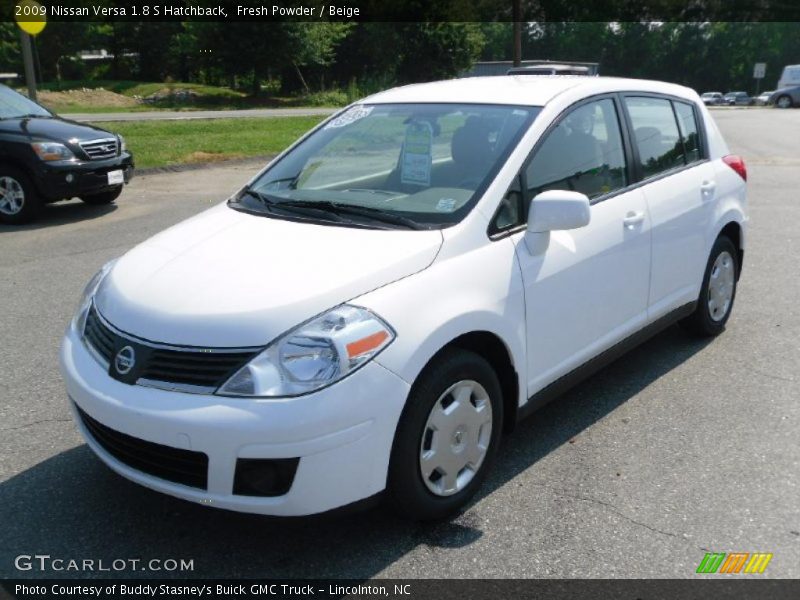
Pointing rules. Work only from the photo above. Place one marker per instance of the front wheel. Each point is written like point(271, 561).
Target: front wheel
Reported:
point(718, 292)
point(19, 202)
point(103, 198)
point(784, 102)
point(447, 437)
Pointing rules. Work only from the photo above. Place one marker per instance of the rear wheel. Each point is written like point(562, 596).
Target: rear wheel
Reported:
point(447, 437)
point(19, 202)
point(718, 292)
point(784, 102)
point(104, 197)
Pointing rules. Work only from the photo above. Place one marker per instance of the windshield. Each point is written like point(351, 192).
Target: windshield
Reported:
point(14, 105)
point(395, 164)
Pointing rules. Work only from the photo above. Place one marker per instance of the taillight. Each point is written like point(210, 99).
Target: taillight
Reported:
point(737, 164)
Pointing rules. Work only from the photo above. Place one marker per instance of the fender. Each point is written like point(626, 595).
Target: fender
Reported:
point(477, 291)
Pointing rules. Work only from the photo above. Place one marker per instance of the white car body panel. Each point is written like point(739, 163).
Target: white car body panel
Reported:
point(225, 279)
point(231, 292)
point(574, 282)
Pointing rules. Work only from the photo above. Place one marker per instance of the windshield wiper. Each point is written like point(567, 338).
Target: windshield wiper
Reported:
point(272, 205)
point(376, 214)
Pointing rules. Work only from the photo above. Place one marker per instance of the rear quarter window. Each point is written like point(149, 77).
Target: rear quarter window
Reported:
point(687, 122)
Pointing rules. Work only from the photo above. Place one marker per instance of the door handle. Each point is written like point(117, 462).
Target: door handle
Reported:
point(633, 218)
point(707, 188)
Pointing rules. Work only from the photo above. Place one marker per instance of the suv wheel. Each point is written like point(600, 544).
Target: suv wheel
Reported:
point(447, 437)
point(718, 292)
point(19, 202)
point(784, 102)
point(103, 198)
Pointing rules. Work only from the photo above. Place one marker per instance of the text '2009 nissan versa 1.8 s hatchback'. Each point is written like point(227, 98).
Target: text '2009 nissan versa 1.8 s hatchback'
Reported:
point(402, 285)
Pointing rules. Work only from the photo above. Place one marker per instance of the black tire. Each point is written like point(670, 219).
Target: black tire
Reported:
point(12, 178)
point(701, 322)
point(784, 101)
point(103, 198)
point(407, 492)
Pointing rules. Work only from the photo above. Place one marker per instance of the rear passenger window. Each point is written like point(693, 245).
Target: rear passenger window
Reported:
point(687, 121)
point(655, 134)
point(583, 153)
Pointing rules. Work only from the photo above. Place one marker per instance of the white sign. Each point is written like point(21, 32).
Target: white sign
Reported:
point(759, 70)
point(416, 165)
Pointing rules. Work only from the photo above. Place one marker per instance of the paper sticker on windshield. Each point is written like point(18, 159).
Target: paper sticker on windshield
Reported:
point(446, 205)
point(415, 167)
point(349, 116)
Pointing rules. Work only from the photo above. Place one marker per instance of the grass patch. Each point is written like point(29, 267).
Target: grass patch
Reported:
point(95, 96)
point(163, 143)
point(141, 88)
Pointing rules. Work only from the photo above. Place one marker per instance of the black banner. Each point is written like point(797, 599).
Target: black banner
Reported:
point(401, 10)
point(739, 587)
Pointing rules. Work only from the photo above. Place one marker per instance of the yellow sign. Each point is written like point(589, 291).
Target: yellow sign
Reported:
point(30, 16)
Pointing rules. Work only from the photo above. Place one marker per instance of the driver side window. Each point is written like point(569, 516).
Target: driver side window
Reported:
point(583, 153)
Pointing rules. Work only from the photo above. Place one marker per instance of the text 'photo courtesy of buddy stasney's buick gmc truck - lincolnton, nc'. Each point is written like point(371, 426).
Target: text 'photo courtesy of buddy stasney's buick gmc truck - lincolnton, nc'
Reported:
point(374, 309)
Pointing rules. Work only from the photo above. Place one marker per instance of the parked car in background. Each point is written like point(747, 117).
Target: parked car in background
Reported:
point(44, 158)
point(712, 98)
point(786, 97)
point(265, 355)
point(763, 98)
point(790, 77)
point(738, 99)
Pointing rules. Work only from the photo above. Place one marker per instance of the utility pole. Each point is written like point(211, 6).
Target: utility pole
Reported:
point(516, 17)
point(27, 59)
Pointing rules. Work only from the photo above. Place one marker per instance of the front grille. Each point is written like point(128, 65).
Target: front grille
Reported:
point(100, 149)
point(193, 368)
point(173, 464)
point(157, 365)
point(99, 336)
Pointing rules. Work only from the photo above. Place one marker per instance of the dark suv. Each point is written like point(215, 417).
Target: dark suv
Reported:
point(44, 158)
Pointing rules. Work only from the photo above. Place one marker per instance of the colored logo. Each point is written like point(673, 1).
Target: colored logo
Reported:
point(125, 360)
point(734, 562)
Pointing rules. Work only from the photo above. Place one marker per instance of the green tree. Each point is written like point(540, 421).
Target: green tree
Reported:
point(10, 59)
point(253, 50)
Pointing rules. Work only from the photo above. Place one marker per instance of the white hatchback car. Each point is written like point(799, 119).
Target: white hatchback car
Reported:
point(401, 286)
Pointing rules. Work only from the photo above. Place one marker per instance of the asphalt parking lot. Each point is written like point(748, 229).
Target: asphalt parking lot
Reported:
point(680, 448)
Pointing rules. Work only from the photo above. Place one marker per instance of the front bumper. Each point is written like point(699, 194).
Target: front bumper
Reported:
point(61, 180)
point(342, 434)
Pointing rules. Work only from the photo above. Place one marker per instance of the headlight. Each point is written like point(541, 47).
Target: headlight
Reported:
point(315, 355)
point(122, 145)
point(88, 293)
point(48, 151)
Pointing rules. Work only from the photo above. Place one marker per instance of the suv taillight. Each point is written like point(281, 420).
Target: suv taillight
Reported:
point(737, 164)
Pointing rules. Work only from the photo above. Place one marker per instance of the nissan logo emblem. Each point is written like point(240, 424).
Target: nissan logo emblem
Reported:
point(125, 360)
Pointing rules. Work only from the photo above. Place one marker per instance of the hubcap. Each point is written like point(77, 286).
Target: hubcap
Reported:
point(783, 102)
point(12, 197)
point(720, 286)
point(456, 438)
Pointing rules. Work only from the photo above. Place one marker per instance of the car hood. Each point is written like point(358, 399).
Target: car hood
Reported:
point(54, 129)
point(228, 279)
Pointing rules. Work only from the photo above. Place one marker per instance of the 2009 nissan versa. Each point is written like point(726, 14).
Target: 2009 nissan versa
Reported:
point(402, 285)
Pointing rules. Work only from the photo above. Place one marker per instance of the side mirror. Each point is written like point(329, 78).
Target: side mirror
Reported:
point(555, 210)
